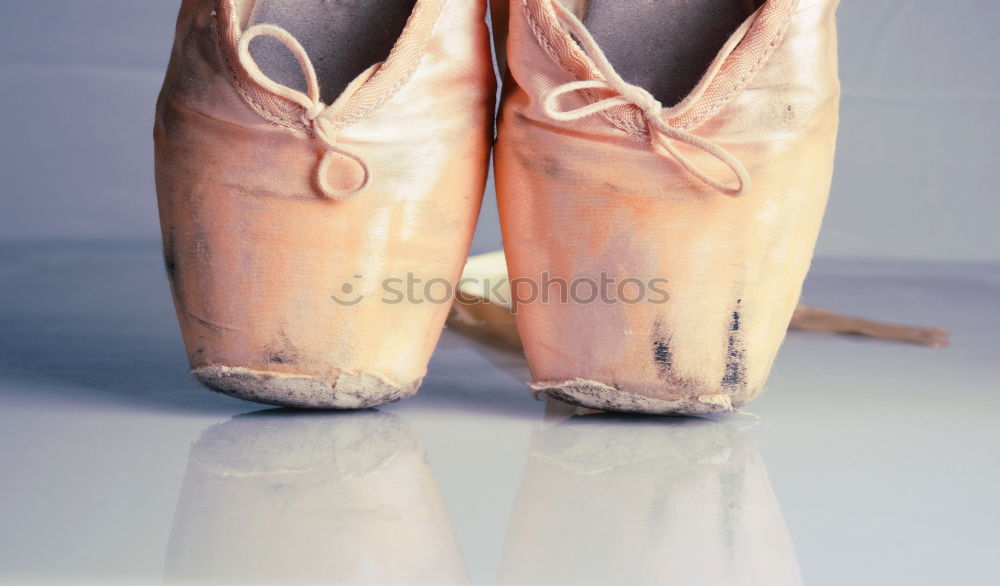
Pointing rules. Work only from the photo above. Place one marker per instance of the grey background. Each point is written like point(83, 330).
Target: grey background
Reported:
point(881, 456)
point(916, 169)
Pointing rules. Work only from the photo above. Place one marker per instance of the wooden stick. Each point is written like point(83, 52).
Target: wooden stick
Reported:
point(811, 319)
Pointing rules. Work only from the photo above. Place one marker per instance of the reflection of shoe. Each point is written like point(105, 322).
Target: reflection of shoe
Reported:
point(720, 194)
point(609, 501)
point(287, 498)
point(282, 216)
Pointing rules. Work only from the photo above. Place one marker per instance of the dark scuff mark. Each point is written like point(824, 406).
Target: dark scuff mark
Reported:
point(208, 323)
point(549, 166)
point(283, 352)
point(789, 113)
point(613, 188)
point(170, 257)
point(552, 167)
point(171, 263)
point(736, 370)
point(662, 355)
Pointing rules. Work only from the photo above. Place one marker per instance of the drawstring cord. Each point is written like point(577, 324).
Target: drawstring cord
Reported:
point(317, 115)
point(660, 131)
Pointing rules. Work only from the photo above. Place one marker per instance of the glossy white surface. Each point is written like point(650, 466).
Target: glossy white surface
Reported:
point(870, 463)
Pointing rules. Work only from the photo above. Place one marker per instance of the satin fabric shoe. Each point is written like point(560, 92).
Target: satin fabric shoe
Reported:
point(662, 173)
point(307, 153)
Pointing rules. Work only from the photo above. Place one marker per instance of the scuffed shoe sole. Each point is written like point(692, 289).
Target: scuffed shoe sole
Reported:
point(343, 391)
point(596, 395)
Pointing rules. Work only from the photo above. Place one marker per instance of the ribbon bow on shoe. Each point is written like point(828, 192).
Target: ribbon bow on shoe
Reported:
point(317, 116)
point(660, 130)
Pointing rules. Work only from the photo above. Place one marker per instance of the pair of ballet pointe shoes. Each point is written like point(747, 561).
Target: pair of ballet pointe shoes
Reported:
point(662, 171)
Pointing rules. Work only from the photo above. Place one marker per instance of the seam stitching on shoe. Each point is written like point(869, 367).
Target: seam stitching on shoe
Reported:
point(404, 78)
point(239, 84)
point(741, 84)
point(714, 107)
point(625, 126)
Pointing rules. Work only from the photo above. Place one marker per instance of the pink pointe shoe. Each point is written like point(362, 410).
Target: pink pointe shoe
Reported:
point(678, 157)
point(306, 151)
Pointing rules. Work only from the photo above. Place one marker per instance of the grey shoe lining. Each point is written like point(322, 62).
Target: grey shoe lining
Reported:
point(664, 46)
point(342, 37)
